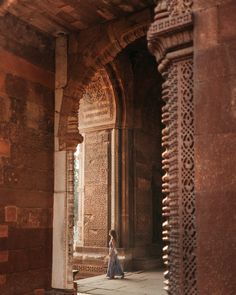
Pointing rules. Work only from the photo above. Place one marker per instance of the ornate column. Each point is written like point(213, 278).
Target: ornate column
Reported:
point(170, 40)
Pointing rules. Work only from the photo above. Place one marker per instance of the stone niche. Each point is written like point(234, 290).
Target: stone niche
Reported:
point(97, 122)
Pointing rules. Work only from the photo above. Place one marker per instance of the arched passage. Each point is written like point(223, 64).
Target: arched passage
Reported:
point(79, 57)
point(120, 120)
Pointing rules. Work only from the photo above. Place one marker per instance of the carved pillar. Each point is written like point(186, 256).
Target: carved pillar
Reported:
point(170, 40)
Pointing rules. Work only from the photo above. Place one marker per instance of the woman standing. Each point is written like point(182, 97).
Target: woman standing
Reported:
point(114, 268)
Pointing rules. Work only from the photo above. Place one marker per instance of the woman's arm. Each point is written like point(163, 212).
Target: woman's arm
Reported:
point(113, 246)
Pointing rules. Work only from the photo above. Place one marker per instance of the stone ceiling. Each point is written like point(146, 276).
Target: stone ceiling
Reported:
point(55, 16)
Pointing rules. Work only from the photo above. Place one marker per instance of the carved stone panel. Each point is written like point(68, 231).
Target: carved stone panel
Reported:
point(97, 104)
point(97, 188)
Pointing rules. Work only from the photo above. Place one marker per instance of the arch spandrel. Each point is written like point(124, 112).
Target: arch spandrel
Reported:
point(97, 106)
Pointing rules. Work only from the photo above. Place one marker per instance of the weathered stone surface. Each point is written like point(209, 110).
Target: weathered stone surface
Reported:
point(11, 214)
point(4, 256)
point(3, 231)
point(147, 141)
point(67, 15)
point(215, 147)
point(26, 157)
point(31, 45)
point(39, 292)
point(26, 281)
point(97, 166)
point(4, 148)
point(3, 279)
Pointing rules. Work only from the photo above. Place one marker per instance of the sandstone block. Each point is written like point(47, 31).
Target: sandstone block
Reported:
point(11, 214)
point(3, 231)
point(4, 148)
point(3, 279)
point(4, 256)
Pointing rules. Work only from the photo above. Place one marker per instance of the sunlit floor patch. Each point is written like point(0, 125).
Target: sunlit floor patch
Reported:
point(134, 283)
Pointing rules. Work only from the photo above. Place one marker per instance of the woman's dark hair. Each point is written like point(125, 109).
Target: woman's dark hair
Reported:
point(112, 232)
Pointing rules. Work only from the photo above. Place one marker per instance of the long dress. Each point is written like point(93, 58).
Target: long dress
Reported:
point(114, 268)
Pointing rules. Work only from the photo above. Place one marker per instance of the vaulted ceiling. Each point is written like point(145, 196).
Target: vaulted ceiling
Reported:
point(55, 16)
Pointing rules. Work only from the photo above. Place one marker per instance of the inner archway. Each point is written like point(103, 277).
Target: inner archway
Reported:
point(120, 164)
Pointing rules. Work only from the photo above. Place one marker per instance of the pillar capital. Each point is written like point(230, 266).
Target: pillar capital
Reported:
point(70, 136)
point(170, 35)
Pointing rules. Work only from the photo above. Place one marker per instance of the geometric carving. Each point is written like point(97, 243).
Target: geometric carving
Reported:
point(91, 269)
point(187, 177)
point(179, 231)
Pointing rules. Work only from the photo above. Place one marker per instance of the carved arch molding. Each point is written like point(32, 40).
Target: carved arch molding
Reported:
point(170, 39)
point(89, 52)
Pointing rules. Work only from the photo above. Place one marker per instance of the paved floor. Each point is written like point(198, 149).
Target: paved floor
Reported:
point(135, 283)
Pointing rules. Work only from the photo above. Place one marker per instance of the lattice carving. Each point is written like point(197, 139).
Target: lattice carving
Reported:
point(179, 230)
point(92, 269)
point(187, 178)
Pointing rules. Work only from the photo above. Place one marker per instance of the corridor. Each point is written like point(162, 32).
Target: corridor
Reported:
point(134, 283)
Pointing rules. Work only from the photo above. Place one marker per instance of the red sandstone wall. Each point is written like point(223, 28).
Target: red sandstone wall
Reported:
point(215, 95)
point(26, 158)
point(147, 150)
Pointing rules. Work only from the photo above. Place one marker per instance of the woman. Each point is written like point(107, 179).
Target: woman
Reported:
point(114, 268)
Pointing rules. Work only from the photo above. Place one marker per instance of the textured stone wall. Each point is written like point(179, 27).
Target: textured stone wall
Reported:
point(215, 136)
point(147, 148)
point(97, 188)
point(26, 158)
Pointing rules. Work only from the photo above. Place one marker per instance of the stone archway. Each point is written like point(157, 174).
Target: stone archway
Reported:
point(97, 203)
point(78, 59)
point(132, 142)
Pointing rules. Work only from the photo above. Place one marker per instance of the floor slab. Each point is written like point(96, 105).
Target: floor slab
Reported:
point(134, 283)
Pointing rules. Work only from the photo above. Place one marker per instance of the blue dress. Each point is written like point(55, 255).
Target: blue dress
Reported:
point(114, 268)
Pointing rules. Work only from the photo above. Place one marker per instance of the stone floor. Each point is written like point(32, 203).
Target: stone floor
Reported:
point(134, 283)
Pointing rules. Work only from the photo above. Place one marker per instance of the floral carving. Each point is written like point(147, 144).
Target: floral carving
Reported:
point(94, 91)
point(176, 7)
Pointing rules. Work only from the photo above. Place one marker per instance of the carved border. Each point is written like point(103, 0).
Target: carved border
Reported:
point(69, 220)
